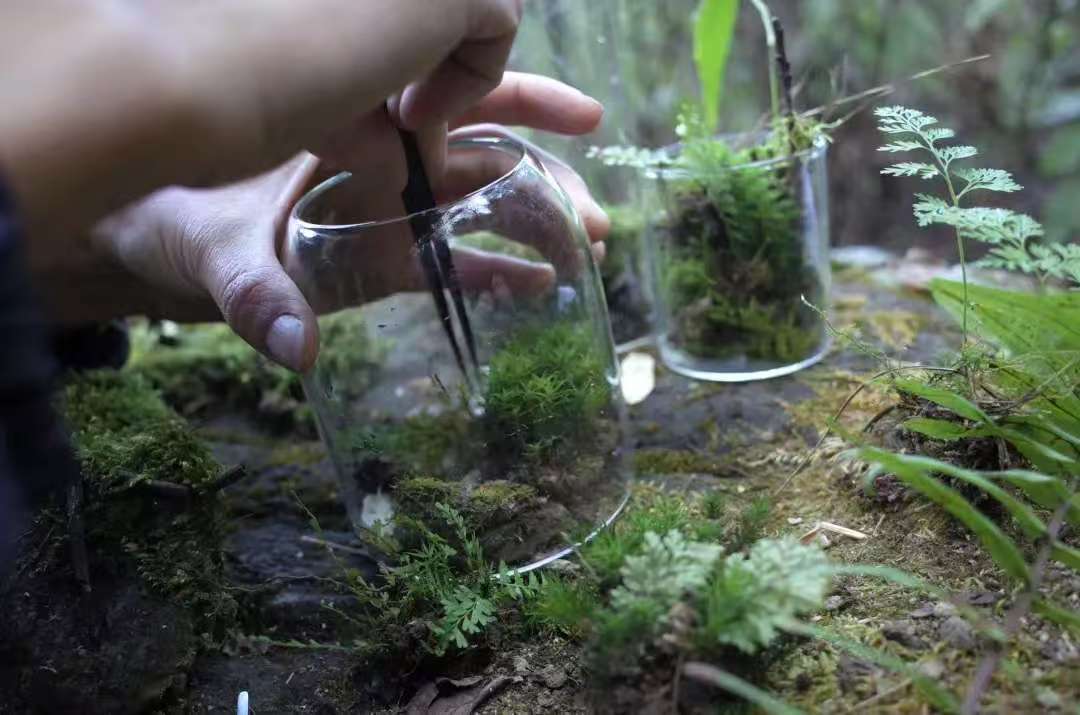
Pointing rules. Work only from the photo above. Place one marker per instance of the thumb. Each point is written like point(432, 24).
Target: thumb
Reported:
point(263, 305)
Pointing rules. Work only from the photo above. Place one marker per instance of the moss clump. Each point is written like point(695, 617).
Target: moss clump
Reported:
point(672, 461)
point(493, 499)
point(125, 436)
point(419, 495)
point(733, 269)
point(204, 365)
point(545, 387)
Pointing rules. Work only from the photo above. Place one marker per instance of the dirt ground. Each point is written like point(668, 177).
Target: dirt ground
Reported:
point(752, 435)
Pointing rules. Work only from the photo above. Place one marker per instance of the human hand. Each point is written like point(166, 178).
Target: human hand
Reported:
point(111, 100)
point(200, 254)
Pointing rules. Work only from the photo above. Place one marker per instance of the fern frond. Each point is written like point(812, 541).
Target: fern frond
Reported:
point(986, 180)
point(912, 168)
point(667, 568)
point(949, 154)
point(897, 120)
point(938, 134)
point(902, 145)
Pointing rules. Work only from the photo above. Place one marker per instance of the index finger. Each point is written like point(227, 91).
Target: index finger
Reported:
point(535, 101)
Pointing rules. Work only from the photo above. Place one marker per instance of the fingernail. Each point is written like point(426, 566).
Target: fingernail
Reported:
point(285, 342)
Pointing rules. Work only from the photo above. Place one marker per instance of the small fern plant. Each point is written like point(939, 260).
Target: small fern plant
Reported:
point(1014, 238)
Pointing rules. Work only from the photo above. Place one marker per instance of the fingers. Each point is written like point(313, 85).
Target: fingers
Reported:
point(471, 71)
point(534, 101)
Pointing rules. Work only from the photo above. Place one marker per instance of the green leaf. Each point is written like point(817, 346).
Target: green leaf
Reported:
point(1003, 550)
point(937, 695)
point(912, 168)
point(714, 28)
point(747, 691)
point(1020, 323)
point(936, 429)
point(987, 180)
point(901, 145)
point(1053, 612)
point(1046, 491)
point(945, 398)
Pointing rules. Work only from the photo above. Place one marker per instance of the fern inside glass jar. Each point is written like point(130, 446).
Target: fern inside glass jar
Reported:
point(740, 254)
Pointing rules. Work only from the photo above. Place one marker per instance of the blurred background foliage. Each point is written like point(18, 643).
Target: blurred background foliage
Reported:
point(1022, 105)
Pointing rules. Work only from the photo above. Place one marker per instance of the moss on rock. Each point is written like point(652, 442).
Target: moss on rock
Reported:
point(126, 437)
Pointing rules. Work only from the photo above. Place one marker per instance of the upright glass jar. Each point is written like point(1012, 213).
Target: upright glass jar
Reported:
point(740, 261)
point(497, 395)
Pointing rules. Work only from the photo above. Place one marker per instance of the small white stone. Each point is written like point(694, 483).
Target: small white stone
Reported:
point(638, 377)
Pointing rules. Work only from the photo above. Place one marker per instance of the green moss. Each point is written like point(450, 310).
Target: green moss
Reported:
point(202, 365)
point(126, 436)
point(494, 498)
point(671, 461)
point(419, 495)
point(732, 263)
point(425, 444)
point(564, 606)
point(545, 387)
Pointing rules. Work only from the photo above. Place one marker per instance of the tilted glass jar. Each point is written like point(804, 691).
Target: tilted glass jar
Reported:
point(502, 407)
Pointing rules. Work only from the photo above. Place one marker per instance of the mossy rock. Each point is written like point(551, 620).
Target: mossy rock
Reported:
point(155, 564)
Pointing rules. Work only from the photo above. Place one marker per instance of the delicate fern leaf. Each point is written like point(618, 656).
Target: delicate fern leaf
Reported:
point(912, 168)
point(943, 430)
point(987, 180)
point(1053, 612)
point(902, 145)
point(930, 210)
point(1003, 549)
point(896, 120)
point(752, 595)
point(1057, 260)
point(945, 398)
point(735, 685)
point(667, 568)
point(949, 154)
point(938, 134)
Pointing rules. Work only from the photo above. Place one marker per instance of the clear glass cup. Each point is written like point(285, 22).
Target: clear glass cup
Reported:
point(582, 44)
point(516, 422)
point(740, 265)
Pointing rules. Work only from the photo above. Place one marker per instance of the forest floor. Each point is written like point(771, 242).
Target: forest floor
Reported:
point(745, 440)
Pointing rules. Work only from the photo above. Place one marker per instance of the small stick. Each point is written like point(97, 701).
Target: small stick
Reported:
point(228, 478)
point(333, 545)
point(77, 535)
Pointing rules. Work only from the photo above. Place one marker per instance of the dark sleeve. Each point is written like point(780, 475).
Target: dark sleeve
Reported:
point(36, 459)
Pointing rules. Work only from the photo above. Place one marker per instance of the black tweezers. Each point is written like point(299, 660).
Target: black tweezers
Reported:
point(435, 258)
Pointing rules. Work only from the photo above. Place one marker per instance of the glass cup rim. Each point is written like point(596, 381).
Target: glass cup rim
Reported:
point(525, 158)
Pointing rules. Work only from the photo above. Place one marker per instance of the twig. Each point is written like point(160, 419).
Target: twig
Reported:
point(861, 707)
point(228, 478)
point(77, 535)
point(333, 545)
point(843, 408)
point(885, 89)
point(989, 664)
